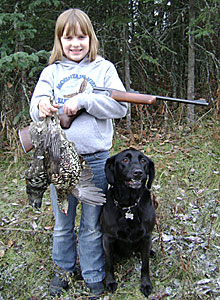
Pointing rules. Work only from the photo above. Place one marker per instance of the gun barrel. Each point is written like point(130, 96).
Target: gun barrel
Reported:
point(138, 98)
point(186, 101)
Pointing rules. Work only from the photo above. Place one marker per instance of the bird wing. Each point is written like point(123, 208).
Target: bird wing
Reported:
point(86, 191)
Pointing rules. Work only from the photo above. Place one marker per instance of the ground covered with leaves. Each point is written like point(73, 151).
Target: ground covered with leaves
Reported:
point(186, 238)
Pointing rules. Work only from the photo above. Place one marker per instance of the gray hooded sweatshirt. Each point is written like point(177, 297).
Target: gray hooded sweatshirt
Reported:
point(92, 131)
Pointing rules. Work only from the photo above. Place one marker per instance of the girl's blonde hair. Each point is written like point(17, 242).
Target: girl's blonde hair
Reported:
point(69, 20)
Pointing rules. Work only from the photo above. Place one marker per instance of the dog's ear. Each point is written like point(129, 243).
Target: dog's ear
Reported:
point(151, 173)
point(109, 170)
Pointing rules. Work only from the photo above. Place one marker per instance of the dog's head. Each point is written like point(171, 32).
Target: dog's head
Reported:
point(131, 167)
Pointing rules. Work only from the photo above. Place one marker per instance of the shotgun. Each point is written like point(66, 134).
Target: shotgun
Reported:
point(120, 96)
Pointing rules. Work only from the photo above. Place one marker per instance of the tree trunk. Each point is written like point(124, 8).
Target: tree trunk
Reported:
point(127, 73)
point(191, 64)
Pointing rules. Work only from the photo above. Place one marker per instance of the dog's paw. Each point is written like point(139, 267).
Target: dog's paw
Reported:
point(111, 287)
point(146, 289)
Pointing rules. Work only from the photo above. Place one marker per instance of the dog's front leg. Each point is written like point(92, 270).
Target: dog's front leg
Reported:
point(146, 286)
point(108, 245)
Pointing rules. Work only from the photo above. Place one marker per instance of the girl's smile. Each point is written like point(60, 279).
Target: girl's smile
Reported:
point(75, 46)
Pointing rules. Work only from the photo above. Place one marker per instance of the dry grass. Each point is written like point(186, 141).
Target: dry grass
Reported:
point(186, 239)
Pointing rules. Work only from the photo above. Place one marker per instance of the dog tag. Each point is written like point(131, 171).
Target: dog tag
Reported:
point(129, 215)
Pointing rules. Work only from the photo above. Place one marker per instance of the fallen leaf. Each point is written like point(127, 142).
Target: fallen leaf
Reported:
point(2, 253)
point(10, 243)
point(147, 150)
point(34, 225)
point(9, 85)
point(15, 181)
point(48, 227)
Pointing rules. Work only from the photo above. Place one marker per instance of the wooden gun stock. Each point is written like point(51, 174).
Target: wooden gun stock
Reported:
point(66, 121)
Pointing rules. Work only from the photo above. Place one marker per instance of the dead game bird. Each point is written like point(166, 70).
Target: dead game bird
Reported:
point(55, 160)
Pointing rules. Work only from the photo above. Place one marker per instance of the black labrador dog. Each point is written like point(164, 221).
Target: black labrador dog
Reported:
point(128, 216)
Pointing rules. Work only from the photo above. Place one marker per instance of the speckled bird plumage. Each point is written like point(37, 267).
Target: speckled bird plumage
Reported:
point(36, 178)
point(55, 160)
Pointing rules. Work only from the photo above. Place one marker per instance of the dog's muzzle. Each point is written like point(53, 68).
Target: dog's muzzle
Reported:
point(134, 184)
point(136, 180)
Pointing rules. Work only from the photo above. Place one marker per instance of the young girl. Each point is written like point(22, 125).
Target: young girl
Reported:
point(74, 57)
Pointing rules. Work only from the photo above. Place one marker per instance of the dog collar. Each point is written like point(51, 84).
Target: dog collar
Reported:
point(128, 213)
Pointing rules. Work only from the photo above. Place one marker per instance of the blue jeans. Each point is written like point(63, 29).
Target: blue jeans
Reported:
point(90, 248)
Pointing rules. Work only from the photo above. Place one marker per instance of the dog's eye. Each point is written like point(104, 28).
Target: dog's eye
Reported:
point(143, 161)
point(125, 160)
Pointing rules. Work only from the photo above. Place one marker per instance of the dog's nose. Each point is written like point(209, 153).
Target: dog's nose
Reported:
point(138, 173)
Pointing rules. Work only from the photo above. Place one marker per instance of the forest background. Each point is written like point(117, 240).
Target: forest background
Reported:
point(159, 47)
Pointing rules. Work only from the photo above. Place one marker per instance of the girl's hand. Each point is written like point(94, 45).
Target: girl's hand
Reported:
point(71, 107)
point(45, 108)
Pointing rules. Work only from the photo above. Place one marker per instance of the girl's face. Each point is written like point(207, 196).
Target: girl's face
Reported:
point(75, 46)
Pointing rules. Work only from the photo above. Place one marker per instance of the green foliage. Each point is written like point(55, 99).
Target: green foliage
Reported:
point(18, 31)
point(43, 3)
point(22, 61)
